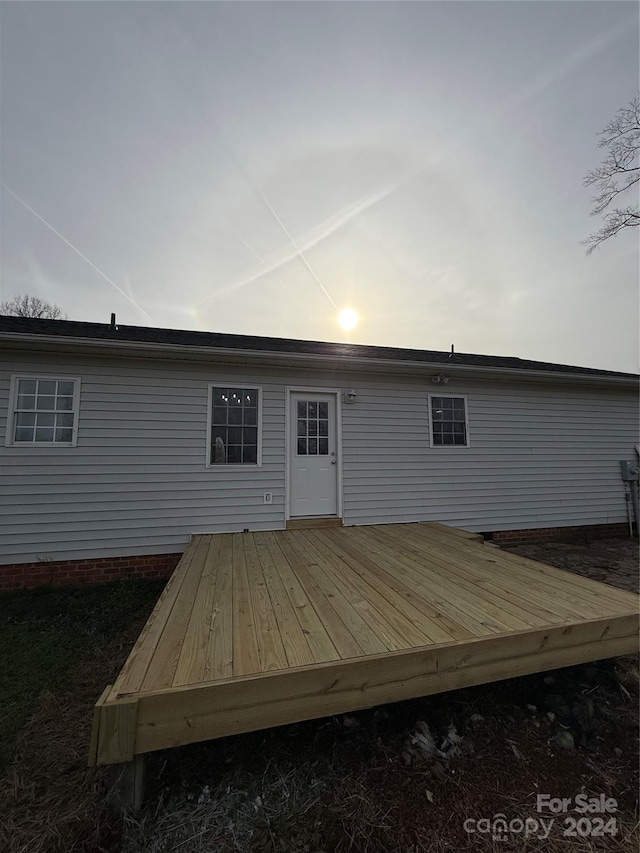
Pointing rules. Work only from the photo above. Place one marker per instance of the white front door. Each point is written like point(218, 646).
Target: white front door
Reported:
point(313, 480)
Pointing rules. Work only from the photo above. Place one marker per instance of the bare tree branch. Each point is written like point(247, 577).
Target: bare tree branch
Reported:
point(31, 306)
point(616, 175)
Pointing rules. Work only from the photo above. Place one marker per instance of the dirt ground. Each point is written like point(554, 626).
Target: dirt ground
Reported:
point(455, 772)
point(614, 561)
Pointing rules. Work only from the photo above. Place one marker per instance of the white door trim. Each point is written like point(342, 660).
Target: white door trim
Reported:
point(310, 389)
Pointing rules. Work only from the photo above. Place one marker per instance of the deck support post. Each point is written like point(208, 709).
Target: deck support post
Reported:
point(127, 784)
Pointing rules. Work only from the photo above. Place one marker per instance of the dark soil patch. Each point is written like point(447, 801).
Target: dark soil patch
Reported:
point(613, 561)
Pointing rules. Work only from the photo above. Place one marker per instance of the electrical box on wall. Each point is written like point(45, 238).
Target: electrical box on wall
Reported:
point(629, 471)
point(268, 497)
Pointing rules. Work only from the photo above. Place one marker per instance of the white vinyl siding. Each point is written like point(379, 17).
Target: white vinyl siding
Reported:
point(541, 456)
point(137, 481)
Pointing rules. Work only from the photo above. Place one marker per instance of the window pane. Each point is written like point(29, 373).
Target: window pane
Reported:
point(323, 428)
point(44, 434)
point(436, 402)
point(64, 420)
point(313, 446)
point(26, 386)
point(26, 401)
point(26, 419)
point(64, 435)
point(323, 410)
point(323, 446)
point(437, 414)
point(45, 419)
point(64, 404)
point(313, 410)
point(220, 414)
point(65, 388)
point(447, 438)
point(458, 405)
point(220, 396)
point(313, 427)
point(302, 409)
point(46, 386)
point(24, 434)
point(234, 425)
point(458, 429)
point(302, 447)
point(302, 427)
point(234, 454)
point(46, 403)
point(250, 455)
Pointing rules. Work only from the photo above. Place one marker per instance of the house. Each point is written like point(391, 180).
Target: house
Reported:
point(119, 443)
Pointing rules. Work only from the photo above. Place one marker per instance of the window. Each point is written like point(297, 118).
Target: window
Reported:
point(313, 428)
point(44, 411)
point(449, 422)
point(234, 426)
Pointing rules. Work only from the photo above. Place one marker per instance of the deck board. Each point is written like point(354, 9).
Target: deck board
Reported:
point(265, 628)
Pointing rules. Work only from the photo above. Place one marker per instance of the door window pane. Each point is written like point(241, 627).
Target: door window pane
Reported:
point(313, 423)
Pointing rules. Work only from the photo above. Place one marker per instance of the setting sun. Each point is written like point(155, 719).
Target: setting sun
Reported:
point(348, 319)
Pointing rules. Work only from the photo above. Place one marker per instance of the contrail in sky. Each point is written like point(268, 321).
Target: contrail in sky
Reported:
point(264, 200)
point(317, 235)
point(299, 251)
point(77, 251)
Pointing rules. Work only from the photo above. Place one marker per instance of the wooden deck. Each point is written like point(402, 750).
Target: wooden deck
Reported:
point(260, 629)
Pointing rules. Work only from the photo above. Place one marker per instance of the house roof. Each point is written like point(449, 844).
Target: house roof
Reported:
point(16, 328)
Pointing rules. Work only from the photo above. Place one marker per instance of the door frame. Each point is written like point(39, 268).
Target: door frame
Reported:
point(310, 389)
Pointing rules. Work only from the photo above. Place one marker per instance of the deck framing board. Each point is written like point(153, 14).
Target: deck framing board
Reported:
point(261, 629)
point(209, 711)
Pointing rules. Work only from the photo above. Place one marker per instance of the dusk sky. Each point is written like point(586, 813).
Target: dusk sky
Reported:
point(256, 167)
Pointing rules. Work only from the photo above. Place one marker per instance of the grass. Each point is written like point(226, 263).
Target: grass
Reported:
point(44, 632)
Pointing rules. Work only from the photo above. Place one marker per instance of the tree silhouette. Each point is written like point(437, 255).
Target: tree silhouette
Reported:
point(31, 306)
point(616, 175)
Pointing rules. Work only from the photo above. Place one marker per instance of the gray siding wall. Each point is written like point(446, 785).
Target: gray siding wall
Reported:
point(540, 455)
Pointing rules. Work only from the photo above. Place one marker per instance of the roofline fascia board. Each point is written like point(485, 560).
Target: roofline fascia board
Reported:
point(244, 356)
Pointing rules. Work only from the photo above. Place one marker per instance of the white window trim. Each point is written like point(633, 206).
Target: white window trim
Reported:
point(13, 399)
point(234, 466)
point(466, 422)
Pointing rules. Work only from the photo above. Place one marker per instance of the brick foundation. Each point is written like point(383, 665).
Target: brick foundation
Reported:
point(559, 534)
point(77, 572)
